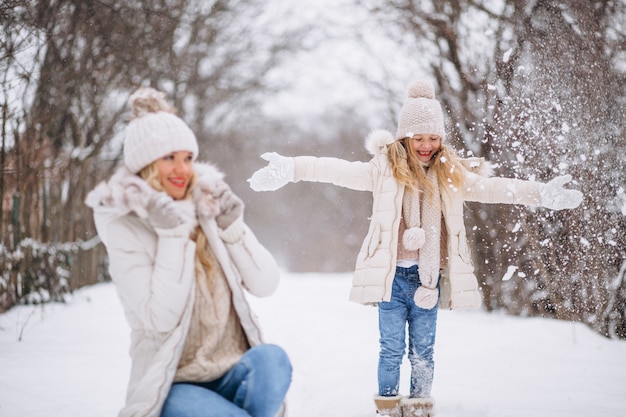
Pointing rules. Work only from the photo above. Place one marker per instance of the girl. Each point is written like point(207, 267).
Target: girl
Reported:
point(180, 256)
point(419, 186)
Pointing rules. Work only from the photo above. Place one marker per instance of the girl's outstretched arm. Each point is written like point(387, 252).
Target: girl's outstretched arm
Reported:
point(281, 170)
point(551, 195)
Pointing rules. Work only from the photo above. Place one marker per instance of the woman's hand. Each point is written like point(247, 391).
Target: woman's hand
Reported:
point(167, 213)
point(231, 206)
point(162, 213)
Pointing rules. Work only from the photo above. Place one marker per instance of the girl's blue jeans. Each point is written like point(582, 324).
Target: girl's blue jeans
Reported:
point(393, 317)
point(255, 387)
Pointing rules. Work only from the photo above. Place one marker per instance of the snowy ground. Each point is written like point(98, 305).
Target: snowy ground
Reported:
point(71, 360)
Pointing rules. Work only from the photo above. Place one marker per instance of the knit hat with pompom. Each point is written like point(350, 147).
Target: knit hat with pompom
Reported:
point(154, 131)
point(421, 113)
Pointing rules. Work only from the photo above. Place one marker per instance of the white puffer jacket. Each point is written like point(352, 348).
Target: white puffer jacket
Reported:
point(376, 262)
point(154, 276)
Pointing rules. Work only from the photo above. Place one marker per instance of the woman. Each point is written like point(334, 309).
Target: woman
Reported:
point(180, 256)
point(419, 187)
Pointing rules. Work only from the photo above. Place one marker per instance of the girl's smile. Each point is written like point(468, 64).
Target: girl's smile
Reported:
point(425, 146)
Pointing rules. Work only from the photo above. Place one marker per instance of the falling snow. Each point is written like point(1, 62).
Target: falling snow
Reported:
point(509, 273)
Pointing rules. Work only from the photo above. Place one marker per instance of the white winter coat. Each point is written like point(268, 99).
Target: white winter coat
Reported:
point(154, 276)
point(376, 261)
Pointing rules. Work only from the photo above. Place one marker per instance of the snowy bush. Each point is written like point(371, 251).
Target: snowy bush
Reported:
point(35, 273)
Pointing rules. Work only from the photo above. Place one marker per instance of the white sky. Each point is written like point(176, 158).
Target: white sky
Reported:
point(329, 75)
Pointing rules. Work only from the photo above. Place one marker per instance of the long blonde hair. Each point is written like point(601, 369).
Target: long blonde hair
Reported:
point(409, 171)
point(150, 174)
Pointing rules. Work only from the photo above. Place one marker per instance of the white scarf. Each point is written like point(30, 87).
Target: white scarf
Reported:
point(422, 214)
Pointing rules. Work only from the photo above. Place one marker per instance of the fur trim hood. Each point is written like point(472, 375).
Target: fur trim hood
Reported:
point(126, 192)
point(376, 142)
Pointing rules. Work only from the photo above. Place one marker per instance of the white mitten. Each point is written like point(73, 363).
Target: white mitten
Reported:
point(162, 213)
point(276, 174)
point(555, 197)
point(231, 206)
point(167, 213)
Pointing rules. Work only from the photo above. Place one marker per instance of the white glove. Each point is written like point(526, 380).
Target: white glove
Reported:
point(276, 174)
point(231, 206)
point(162, 212)
point(166, 213)
point(555, 197)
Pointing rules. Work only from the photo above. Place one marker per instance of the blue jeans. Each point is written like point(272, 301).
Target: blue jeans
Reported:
point(255, 386)
point(392, 322)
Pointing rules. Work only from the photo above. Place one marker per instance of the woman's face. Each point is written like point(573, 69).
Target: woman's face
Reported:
point(425, 146)
point(175, 171)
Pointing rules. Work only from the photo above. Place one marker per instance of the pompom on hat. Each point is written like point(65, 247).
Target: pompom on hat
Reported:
point(154, 131)
point(421, 113)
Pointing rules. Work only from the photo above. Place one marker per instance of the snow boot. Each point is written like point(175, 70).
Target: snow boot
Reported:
point(388, 406)
point(417, 407)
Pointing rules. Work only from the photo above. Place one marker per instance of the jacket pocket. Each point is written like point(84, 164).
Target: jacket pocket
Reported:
point(374, 241)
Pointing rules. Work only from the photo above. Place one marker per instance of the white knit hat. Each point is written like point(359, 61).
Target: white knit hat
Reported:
point(155, 131)
point(421, 113)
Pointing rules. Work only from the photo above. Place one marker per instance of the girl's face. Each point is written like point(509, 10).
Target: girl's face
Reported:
point(175, 171)
point(425, 146)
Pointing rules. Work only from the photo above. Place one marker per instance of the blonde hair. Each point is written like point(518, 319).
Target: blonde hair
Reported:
point(150, 174)
point(409, 171)
point(203, 254)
